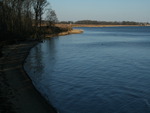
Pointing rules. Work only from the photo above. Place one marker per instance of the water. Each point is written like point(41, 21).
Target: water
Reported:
point(103, 70)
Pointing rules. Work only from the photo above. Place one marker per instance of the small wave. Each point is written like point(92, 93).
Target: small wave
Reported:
point(135, 106)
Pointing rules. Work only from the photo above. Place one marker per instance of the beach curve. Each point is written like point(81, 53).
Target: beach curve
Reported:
point(17, 93)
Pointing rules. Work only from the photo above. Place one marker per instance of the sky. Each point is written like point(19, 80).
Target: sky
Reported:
point(102, 10)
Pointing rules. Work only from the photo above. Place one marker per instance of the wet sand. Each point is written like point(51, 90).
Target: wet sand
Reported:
point(17, 93)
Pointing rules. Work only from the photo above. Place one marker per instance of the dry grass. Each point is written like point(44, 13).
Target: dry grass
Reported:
point(84, 25)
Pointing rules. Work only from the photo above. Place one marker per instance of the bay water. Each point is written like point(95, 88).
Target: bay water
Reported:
point(103, 70)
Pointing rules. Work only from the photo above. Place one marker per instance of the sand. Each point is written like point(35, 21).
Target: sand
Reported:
point(73, 31)
point(17, 93)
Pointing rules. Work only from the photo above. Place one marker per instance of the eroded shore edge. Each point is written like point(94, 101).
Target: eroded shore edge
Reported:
point(18, 94)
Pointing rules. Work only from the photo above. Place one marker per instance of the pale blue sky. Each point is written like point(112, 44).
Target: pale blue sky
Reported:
point(102, 10)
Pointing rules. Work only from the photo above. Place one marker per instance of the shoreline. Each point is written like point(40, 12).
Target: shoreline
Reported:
point(73, 31)
point(92, 25)
point(17, 93)
point(106, 25)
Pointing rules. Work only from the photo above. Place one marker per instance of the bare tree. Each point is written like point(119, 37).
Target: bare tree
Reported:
point(15, 16)
point(43, 5)
point(28, 15)
point(39, 7)
point(51, 17)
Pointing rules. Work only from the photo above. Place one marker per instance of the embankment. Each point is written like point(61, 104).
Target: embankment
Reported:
point(17, 93)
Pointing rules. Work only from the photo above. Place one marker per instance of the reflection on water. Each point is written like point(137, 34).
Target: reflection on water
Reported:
point(36, 66)
point(103, 70)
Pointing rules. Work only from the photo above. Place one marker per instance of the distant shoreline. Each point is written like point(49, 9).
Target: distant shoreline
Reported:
point(78, 31)
point(92, 25)
point(85, 25)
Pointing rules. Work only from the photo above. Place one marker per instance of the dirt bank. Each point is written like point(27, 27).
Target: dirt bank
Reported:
point(17, 93)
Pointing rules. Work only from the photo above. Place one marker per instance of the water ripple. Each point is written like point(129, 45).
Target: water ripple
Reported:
point(103, 70)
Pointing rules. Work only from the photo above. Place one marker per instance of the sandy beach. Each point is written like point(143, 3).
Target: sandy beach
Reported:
point(17, 93)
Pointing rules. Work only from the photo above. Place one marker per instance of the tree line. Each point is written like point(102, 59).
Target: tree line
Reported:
point(23, 18)
point(95, 22)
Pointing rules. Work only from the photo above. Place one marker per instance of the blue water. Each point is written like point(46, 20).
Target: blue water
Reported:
point(103, 70)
